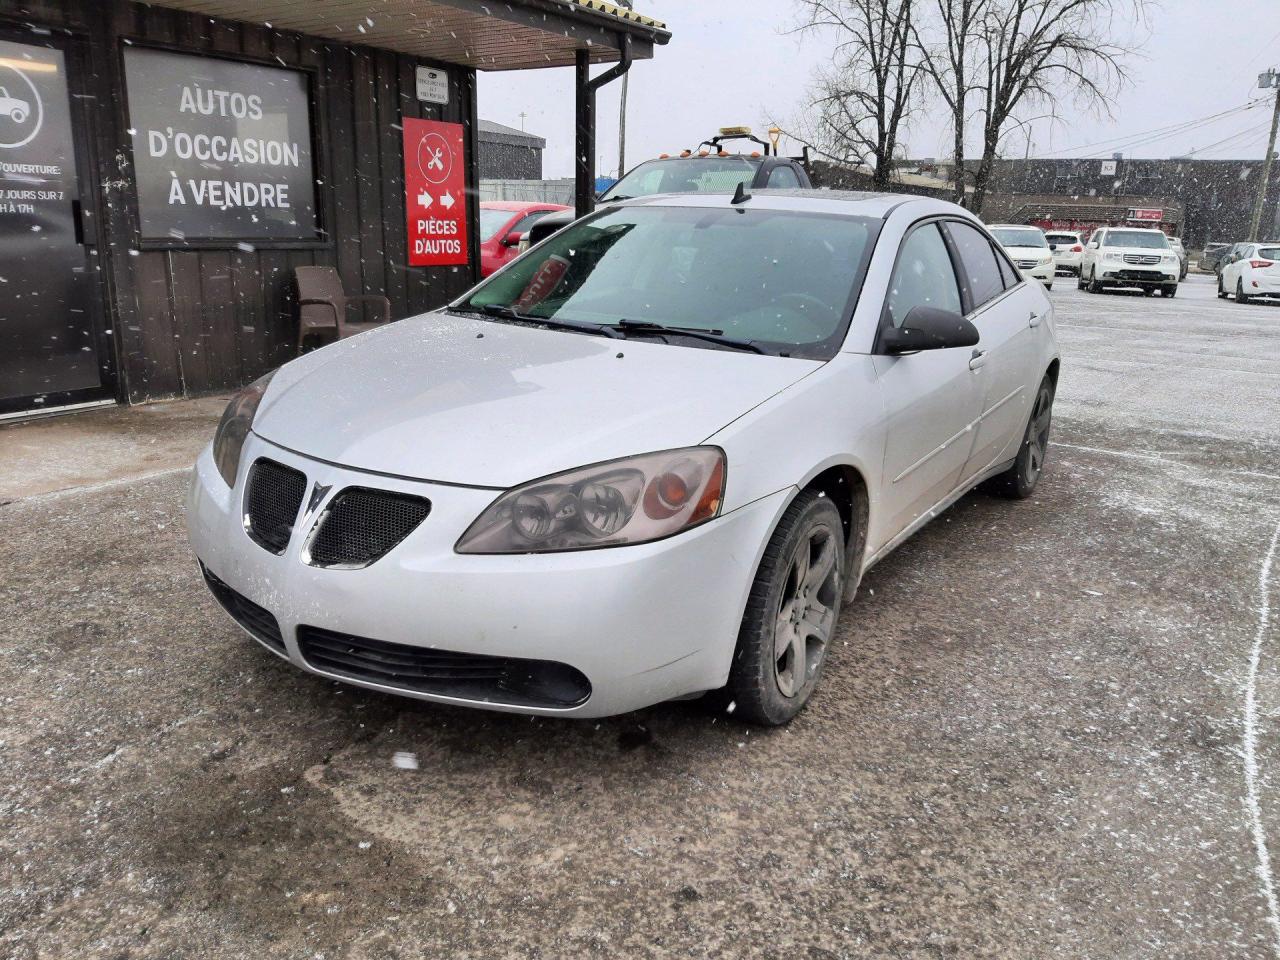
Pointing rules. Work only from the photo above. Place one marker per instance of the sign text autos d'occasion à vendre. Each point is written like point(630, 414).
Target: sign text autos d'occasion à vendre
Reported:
point(222, 149)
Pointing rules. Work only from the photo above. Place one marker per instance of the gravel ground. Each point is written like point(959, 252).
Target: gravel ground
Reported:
point(1033, 739)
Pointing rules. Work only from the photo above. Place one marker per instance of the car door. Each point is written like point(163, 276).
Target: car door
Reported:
point(1234, 267)
point(931, 397)
point(1008, 312)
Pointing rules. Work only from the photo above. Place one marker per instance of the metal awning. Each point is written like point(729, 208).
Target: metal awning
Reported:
point(484, 34)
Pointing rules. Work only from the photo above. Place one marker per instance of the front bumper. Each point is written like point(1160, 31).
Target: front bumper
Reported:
point(1067, 262)
point(1040, 271)
point(1142, 276)
point(644, 623)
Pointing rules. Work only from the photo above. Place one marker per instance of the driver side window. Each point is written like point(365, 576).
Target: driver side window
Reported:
point(923, 276)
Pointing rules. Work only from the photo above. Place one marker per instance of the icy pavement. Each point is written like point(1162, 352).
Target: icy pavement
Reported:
point(1029, 743)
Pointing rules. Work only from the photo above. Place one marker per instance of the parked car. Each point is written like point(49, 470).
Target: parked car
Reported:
point(1029, 250)
point(1129, 257)
point(649, 459)
point(503, 224)
point(1213, 253)
point(1228, 256)
point(708, 169)
point(1183, 259)
point(1067, 249)
point(1256, 273)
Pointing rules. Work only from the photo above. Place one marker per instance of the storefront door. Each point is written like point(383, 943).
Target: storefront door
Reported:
point(52, 348)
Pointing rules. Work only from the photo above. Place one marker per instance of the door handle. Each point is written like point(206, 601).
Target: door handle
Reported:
point(1034, 320)
point(977, 359)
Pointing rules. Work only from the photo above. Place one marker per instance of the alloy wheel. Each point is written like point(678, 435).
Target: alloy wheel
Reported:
point(807, 611)
point(1038, 433)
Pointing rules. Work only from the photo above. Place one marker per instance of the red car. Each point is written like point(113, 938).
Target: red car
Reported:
point(502, 225)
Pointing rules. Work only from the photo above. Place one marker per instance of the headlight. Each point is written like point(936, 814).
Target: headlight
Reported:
point(1111, 256)
point(1170, 258)
point(234, 427)
point(1046, 258)
point(627, 501)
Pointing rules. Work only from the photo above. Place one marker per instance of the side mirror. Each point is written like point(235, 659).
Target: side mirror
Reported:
point(1052, 247)
point(512, 239)
point(928, 328)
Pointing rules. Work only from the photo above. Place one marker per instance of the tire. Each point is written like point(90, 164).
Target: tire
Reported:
point(18, 115)
point(1095, 285)
point(1241, 296)
point(1020, 480)
point(1222, 294)
point(1080, 279)
point(1048, 286)
point(1170, 291)
point(767, 688)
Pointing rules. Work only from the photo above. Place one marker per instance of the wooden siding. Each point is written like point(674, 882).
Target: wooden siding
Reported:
point(187, 320)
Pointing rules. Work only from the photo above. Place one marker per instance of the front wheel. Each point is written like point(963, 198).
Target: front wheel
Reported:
point(1095, 285)
point(1018, 482)
point(791, 614)
point(1170, 291)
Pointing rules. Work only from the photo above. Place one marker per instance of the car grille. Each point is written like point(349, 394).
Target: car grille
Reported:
point(466, 676)
point(259, 622)
point(273, 496)
point(1143, 259)
point(360, 525)
point(1025, 264)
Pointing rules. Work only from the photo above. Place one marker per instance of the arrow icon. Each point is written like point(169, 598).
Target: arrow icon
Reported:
point(447, 201)
point(424, 199)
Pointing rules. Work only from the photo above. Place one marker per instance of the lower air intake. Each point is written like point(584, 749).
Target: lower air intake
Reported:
point(361, 525)
point(245, 612)
point(465, 676)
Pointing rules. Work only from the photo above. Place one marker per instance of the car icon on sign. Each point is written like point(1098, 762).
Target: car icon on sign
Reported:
point(17, 110)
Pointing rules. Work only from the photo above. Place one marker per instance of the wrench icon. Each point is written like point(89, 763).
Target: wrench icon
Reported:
point(436, 162)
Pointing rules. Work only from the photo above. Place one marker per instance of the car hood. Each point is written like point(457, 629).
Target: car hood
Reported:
point(1028, 253)
point(457, 399)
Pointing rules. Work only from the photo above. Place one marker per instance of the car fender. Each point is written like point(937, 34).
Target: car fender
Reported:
point(833, 417)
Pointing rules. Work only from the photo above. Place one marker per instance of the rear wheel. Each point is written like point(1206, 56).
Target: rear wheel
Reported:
point(1241, 296)
point(791, 614)
point(1222, 293)
point(1018, 482)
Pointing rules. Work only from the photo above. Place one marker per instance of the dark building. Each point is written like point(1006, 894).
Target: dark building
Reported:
point(509, 154)
point(1201, 200)
point(166, 167)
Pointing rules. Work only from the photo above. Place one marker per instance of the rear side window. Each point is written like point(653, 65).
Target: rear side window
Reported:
point(980, 269)
point(1269, 253)
point(923, 276)
point(1008, 275)
point(784, 178)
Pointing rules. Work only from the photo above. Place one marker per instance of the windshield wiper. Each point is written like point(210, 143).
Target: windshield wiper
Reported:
point(501, 311)
point(697, 333)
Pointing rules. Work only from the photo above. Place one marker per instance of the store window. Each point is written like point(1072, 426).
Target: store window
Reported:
point(221, 149)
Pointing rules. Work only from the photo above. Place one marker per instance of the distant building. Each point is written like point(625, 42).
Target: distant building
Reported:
point(509, 154)
point(1200, 200)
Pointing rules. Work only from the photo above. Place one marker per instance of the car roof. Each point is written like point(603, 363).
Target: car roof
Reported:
point(851, 203)
point(1018, 226)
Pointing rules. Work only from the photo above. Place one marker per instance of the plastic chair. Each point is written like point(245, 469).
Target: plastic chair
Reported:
point(322, 305)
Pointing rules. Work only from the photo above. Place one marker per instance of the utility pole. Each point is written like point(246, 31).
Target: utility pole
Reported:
point(1267, 81)
point(622, 113)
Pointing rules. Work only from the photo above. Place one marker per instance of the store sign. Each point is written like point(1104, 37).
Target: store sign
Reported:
point(1145, 213)
point(435, 193)
point(221, 150)
point(1107, 168)
point(432, 84)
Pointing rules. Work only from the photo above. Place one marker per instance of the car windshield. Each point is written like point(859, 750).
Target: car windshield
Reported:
point(1062, 238)
point(1019, 237)
point(491, 221)
point(687, 175)
point(1137, 238)
point(783, 280)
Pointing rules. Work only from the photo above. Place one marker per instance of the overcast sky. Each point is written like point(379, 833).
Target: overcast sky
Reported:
point(732, 62)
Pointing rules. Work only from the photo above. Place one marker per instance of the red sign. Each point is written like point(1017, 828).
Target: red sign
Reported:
point(435, 193)
point(1146, 213)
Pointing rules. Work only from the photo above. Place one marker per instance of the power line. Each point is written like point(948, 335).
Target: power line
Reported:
point(1159, 133)
point(1243, 136)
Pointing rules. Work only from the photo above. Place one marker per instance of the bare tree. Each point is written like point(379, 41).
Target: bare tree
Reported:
point(950, 55)
point(861, 104)
point(1034, 50)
